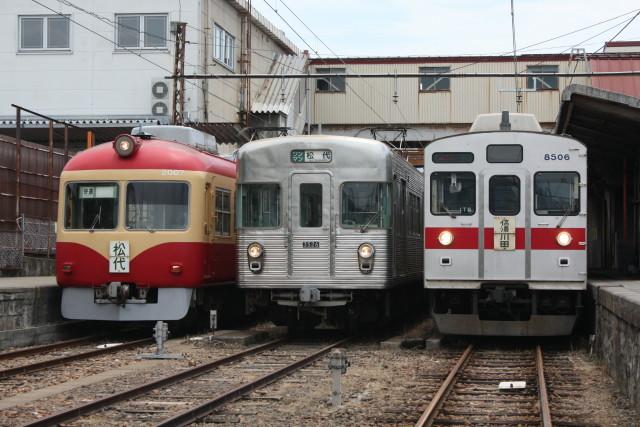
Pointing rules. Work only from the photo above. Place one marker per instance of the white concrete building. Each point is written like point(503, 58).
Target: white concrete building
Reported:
point(102, 64)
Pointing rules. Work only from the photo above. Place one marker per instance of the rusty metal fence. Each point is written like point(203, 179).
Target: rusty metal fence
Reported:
point(29, 179)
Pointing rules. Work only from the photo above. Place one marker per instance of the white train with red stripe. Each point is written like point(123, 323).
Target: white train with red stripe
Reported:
point(505, 229)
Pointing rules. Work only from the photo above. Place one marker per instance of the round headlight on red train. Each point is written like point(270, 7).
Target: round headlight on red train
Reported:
point(445, 238)
point(254, 250)
point(366, 250)
point(124, 145)
point(564, 238)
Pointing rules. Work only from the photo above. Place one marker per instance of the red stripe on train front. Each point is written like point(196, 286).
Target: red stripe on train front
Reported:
point(200, 263)
point(541, 238)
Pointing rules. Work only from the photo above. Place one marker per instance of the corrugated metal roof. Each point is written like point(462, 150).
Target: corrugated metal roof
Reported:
point(625, 85)
point(277, 95)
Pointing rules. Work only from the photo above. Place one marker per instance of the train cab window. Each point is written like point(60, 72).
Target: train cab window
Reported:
point(453, 193)
point(504, 153)
point(157, 205)
point(310, 205)
point(556, 193)
point(366, 204)
point(504, 195)
point(259, 205)
point(91, 206)
point(223, 212)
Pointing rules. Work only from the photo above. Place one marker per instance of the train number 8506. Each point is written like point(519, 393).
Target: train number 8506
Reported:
point(554, 156)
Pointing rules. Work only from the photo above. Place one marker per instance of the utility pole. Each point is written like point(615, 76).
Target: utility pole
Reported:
point(178, 70)
point(245, 65)
point(515, 61)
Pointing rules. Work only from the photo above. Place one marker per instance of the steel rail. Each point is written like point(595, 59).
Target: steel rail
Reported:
point(79, 411)
point(44, 347)
point(38, 366)
point(191, 415)
point(427, 417)
point(545, 411)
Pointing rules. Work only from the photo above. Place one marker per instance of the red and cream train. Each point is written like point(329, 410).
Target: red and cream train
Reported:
point(145, 228)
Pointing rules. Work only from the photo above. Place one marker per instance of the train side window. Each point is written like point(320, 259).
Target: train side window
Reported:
point(259, 205)
point(310, 205)
point(453, 193)
point(556, 193)
point(223, 212)
point(504, 153)
point(504, 195)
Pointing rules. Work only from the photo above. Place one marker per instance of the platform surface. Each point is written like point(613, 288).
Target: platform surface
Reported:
point(620, 296)
point(27, 282)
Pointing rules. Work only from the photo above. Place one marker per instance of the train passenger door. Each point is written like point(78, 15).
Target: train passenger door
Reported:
point(310, 225)
point(506, 211)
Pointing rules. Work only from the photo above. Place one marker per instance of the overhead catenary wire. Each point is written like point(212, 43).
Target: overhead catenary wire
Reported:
point(375, 112)
point(621, 30)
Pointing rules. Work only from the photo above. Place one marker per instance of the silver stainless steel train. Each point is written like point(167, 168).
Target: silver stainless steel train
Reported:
point(329, 229)
point(505, 236)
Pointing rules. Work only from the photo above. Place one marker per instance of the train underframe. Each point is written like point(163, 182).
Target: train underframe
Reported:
point(506, 310)
point(346, 309)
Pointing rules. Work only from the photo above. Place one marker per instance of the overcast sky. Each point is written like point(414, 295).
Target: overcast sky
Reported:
point(450, 27)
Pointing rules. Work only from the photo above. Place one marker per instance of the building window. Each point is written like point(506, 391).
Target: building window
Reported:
point(44, 32)
point(223, 47)
point(330, 84)
point(434, 83)
point(223, 212)
point(141, 31)
point(543, 82)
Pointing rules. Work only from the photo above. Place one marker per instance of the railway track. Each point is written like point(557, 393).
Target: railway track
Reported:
point(39, 349)
point(470, 395)
point(63, 360)
point(200, 389)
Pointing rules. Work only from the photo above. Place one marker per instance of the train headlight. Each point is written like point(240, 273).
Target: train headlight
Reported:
point(445, 238)
point(564, 238)
point(125, 145)
point(366, 250)
point(254, 250)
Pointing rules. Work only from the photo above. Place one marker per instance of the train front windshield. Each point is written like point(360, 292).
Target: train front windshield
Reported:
point(366, 204)
point(453, 193)
point(557, 193)
point(91, 206)
point(157, 205)
point(259, 206)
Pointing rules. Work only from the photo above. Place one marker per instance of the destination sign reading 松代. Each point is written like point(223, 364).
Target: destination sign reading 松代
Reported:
point(311, 156)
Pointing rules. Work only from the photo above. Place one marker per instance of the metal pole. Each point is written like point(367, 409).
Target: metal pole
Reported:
point(66, 144)
point(50, 188)
point(18, 149)
point(401, 75)
point(515, 58)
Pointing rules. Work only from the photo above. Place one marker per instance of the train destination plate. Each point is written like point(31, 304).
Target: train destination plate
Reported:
point(504, 233)
point(311, 156)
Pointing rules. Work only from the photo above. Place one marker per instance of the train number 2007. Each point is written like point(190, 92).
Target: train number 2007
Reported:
point(554, 156)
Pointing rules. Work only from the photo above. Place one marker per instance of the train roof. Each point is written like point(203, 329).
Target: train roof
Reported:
point(361, 146)
point(152, 154)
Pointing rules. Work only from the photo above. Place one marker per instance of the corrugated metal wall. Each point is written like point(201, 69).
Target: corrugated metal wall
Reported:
point(466, 98)
point(628, 85)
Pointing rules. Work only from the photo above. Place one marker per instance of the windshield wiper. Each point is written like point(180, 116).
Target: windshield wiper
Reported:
point(451, 214)
point(565, 215)
point(96, 219)
point(363, 228)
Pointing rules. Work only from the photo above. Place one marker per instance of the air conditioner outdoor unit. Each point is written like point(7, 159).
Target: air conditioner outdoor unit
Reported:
point(160, 95)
